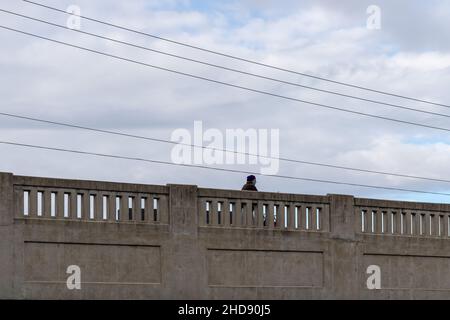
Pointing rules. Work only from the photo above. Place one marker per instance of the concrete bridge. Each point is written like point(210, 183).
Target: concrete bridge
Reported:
point(130, 241)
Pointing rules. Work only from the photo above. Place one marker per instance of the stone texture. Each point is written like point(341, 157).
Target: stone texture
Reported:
point(180, 256)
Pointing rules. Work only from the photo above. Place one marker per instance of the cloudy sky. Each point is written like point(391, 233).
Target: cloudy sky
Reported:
point(409, 55)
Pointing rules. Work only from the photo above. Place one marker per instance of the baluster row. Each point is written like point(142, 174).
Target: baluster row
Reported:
point(263, 214)
point(91, 205)
point(403, 222)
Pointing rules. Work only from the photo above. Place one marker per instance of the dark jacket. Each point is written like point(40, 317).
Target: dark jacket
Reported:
point(249, 187)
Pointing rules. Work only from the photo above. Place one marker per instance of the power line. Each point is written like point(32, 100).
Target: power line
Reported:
point(117, 133)
point(228, 84)
point(239, 58)
point(224, 150)
point(218, 169)
point(192, 145)
point(227, 68)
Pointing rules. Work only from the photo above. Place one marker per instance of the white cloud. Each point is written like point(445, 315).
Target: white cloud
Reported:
point(428, 61)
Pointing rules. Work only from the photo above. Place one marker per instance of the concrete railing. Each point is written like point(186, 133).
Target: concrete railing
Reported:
point(402, 218)
point(233, 209)
point(149, 242)
point(37, 198)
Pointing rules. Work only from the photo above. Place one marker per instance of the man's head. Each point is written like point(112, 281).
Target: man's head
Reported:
point(251, 179)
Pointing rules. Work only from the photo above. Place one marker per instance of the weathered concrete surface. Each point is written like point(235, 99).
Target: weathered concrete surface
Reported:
point(184, 242)
point(6, 236)
point(182, 254)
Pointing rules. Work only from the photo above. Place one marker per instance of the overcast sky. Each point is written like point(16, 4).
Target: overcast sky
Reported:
point(409, 55)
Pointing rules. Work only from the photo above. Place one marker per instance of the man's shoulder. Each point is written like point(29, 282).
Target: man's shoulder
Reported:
point(249, 187)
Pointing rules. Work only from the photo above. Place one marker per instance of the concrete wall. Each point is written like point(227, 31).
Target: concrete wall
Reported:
point(184, 242)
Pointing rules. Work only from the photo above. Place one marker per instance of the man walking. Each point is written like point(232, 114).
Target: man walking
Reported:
point(251, 184)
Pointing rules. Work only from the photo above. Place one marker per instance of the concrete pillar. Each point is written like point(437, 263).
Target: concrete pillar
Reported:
point(343, 250)
point(183, 257)
point(6, 199)
point(183, 210)
point(342, 216)
point(6, 236)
